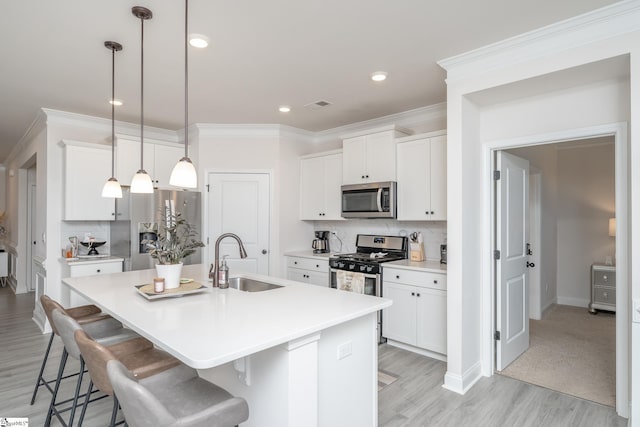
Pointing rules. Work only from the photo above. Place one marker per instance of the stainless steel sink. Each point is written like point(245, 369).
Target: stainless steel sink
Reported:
point(250, 285)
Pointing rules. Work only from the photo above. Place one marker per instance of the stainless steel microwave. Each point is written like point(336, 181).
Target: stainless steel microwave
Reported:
point(371, 200)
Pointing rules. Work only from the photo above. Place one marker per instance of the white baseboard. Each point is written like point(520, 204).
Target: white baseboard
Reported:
point(462, 383)
point(417, 350)
point(575, 302)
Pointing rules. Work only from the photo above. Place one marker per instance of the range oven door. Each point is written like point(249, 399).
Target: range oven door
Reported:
point(371, 282)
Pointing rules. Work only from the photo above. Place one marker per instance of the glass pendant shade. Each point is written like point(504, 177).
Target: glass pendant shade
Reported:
point(141, 182)
point(184, 174)
point(112, 189)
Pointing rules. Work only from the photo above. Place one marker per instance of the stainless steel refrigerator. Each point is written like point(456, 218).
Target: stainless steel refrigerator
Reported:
point(137, 219)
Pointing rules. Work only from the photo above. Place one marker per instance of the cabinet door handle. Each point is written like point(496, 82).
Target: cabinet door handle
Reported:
point(98, 270)
point(413, 294)
point(418, 295)
point(435, 281)
point(431, 212)
point(295, 262)
point(366, 176)
point(398, 276)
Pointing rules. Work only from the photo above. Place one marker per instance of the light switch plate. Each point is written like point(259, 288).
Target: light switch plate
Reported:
point(636, 310)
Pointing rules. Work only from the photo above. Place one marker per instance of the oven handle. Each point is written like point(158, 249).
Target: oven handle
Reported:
point(367, 275)
point(379, 200)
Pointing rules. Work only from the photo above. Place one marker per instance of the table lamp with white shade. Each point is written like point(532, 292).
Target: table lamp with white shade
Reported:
point(612, 233)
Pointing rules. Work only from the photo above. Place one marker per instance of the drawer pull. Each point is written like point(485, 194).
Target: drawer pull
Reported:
point(605, 295)
point(317, 265)
point(604, 277)
point(418, 295)
point(397, 276)
point(435, 281)
point(98, 270)
point(295, 262)
point(413, 294)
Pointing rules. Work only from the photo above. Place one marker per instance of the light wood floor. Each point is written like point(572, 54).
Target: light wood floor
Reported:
point(415, 399)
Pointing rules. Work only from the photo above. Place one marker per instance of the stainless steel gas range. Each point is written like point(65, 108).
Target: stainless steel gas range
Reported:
point(362, 271)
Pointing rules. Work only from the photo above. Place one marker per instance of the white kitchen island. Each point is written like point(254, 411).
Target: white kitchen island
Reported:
point(300, 355)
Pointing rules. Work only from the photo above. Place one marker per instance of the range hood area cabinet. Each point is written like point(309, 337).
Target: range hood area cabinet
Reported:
point(159, 160)
point(86, 168)
point(370, 156)
point(320, 181)
point(422, 177)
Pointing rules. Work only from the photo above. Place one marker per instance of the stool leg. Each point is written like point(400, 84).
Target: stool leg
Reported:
point(44, 363)
point(86, 403)
point(77, 393)
point(63, 362)
point(114, 413)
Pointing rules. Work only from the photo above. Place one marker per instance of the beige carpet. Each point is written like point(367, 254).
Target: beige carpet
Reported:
point(573, 352)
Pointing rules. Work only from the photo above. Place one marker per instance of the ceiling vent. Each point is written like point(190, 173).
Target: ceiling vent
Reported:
point(317, 105)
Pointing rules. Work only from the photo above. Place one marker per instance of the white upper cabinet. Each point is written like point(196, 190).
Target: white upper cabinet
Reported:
point(370, 156)
point(159, 160)
point(320, 181)
point(422, 177)
point(86, 169)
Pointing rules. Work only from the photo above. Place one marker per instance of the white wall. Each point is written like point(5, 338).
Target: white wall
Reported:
point(536, 110)
point(586, 201)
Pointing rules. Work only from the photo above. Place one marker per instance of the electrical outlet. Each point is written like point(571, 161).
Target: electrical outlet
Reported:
point(345, 350)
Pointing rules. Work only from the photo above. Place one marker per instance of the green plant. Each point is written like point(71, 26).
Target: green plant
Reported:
point(177, 239)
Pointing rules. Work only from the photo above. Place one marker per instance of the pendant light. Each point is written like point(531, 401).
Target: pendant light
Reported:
point(112, 186)
point(184, 173)
point(141, 182)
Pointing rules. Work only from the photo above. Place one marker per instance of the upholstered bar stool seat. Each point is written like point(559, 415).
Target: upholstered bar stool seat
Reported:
point(106, 330)
point(83, 315)
point(139, 355)
point(177, 397)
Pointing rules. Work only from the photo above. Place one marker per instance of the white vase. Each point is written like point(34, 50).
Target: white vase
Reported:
point(170, 273)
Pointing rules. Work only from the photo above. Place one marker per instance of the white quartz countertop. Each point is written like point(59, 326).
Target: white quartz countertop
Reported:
point(220, 325)
point(92, 260)
point(430, 266)
point(310, 254)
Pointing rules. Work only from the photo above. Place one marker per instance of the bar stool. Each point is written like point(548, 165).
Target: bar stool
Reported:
point(107, 331)
point(84, 314)
point(138, 353)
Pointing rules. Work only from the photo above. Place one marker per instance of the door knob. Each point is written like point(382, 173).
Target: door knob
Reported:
point(264, 252)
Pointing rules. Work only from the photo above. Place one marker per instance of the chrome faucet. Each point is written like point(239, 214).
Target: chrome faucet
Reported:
point(213, 271)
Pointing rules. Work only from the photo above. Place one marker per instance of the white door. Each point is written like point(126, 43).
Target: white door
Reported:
point(33, 235)
point(512, 228)
point(239, 204)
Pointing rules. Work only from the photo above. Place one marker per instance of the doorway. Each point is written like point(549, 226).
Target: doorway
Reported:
point(565, 340)
point(240, 203)
point(617, 132)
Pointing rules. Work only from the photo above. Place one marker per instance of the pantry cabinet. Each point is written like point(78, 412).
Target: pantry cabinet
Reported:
point(422, 177)
point(159, 160)
point(86, 168)
point(370, 156)
point(418, 316)
point(320, 181)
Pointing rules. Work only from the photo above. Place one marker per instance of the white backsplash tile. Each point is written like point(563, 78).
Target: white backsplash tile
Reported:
point(98, 229)
point(433, 233)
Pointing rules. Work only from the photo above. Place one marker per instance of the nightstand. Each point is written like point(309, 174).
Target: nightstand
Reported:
point(603, 288)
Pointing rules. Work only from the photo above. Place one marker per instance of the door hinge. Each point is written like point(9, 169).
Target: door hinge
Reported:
point(207, 240)
point(496, 175)
point(496, 254)
point(207, 188)
point(496, 335)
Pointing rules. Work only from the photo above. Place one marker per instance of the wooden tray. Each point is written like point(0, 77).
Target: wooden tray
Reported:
point(147, 291)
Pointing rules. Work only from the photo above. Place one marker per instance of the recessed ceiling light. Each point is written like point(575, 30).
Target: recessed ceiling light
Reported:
point(379, 76)
point(198, 40)
point(115, 102)
point(284, 109)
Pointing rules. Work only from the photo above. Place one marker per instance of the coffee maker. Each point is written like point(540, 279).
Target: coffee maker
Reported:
point(320, 244)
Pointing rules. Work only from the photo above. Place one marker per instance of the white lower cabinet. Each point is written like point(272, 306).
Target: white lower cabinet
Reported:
point(89, 269)
point(308, 270)
point(418, 316)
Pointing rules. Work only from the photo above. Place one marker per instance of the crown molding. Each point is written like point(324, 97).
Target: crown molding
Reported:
point(251, 130)
point(65, 118)
point(37, 125)
point(407, 119)
point(607, 22)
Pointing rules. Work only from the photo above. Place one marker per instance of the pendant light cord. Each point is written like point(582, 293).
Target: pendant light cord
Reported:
point(141, 93)
point(186, 78)
point(113, 111)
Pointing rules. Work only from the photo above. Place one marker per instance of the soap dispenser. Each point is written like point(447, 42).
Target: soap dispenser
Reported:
point(223, 274)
